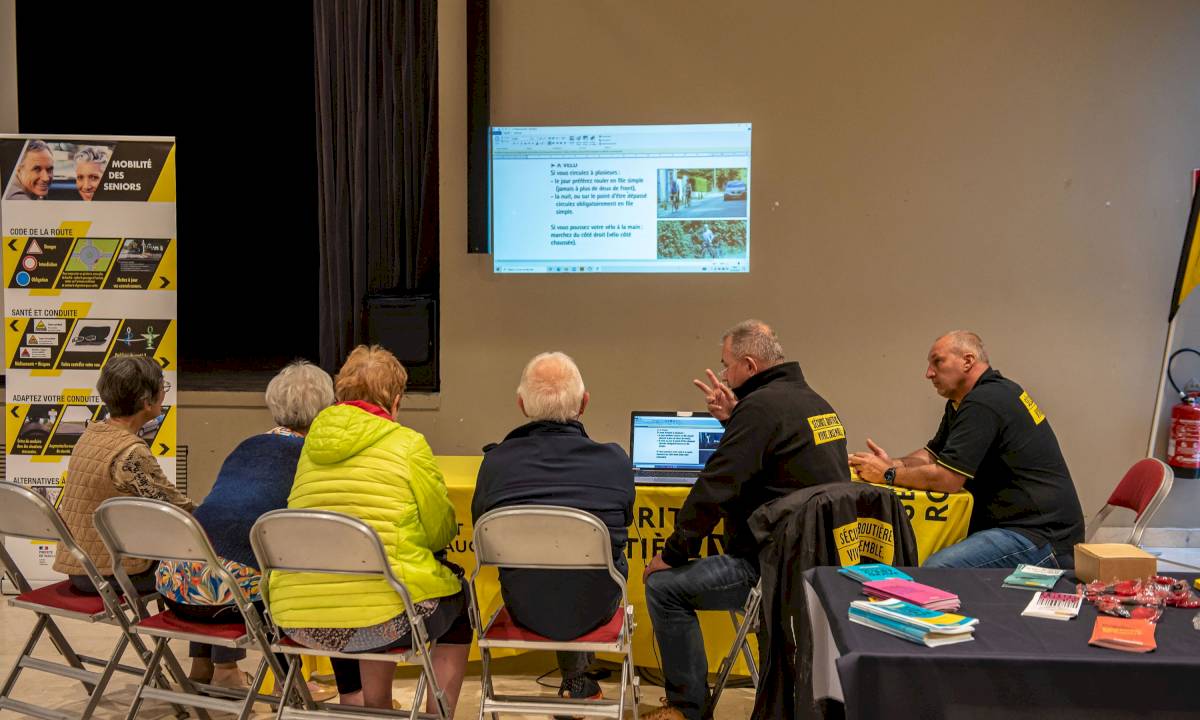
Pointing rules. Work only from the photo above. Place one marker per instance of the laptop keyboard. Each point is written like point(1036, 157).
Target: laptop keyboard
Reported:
point(663, 478)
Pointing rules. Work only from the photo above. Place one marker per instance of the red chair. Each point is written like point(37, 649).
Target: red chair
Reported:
point(27, 515)
point(1142, 490)
point(550, 538)
point(157, 530)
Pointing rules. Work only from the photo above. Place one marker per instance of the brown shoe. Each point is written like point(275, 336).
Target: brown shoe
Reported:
point(665, 712)
point(201, 670)
point(233, 681)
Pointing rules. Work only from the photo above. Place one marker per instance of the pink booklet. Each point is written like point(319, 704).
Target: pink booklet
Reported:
point(912, 592)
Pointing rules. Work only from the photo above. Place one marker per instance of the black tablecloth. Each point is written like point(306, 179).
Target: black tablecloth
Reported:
point(1015, 666)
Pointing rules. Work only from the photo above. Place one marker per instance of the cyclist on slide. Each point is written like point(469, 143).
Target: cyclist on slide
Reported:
point(706, 242)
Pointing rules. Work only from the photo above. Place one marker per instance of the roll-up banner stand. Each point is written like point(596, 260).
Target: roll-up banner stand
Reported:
point(89, 273)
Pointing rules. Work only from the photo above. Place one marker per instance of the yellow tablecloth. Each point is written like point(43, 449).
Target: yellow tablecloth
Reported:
point(938, 519)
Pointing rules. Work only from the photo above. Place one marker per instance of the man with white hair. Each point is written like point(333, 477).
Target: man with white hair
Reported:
point(780, 436)
point(996, 442)
point(550, 460)
point(33, 175)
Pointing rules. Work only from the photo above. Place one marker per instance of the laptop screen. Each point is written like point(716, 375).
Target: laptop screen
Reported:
point(673, 441)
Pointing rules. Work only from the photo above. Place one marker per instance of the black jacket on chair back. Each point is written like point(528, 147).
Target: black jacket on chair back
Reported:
point(838, 524)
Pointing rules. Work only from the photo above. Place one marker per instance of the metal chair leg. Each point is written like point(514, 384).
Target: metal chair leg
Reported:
point(749, 617)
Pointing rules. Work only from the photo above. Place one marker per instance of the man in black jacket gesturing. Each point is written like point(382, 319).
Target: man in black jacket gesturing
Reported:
point(780, 436)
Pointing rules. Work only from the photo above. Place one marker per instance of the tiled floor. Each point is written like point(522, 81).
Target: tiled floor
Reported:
point(515, 676)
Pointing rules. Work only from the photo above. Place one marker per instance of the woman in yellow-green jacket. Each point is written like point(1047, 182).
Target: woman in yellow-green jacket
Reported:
point(358, 460)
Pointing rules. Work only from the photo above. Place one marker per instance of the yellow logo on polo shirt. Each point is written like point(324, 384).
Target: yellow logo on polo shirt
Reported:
point(826, 428)
point(1032, 407)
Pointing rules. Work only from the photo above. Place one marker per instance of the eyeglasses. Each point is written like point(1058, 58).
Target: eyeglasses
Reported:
point(166, 386)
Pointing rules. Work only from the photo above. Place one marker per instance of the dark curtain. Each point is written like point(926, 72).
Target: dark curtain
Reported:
point(376, 94)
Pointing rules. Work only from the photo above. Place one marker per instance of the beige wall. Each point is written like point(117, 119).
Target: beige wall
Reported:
point(211, 425)
point(1017, 168)
point(8, 67)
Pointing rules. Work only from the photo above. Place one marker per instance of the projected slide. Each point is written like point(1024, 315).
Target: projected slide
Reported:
point(637, 198)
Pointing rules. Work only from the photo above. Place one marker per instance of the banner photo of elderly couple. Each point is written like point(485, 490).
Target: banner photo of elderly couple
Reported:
point(87, 169)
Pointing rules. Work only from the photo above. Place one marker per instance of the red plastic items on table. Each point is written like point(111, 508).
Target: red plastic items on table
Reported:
point(1139, 598)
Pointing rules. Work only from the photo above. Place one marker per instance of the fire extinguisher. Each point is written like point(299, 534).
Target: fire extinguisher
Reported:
point(1183, 444)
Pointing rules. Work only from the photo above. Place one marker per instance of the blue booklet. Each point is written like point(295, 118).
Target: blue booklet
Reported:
point(912, 633)
point(873, 571)
point(915, 616)
point(915, 624)
point(1032, 577)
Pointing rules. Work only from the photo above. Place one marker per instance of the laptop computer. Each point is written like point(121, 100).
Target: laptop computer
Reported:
point(670, 448)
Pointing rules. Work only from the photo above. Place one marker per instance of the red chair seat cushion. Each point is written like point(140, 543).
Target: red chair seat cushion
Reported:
point(1139, 486)
point(64, 596)
point(504, 628)
point(168, 620)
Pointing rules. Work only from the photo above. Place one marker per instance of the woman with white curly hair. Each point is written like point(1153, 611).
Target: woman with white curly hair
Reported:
point(256, 478)
point(90, 162)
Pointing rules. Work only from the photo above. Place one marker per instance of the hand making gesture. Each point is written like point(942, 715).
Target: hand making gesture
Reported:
point(719, 398)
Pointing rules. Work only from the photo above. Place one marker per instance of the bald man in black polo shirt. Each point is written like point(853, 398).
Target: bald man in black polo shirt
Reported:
point(994, 441)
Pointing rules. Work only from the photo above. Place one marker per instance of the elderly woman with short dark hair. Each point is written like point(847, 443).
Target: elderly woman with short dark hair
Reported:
point(111, 460)
point(254, 479)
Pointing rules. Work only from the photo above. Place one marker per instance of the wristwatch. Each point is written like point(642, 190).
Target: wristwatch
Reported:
point(889, 476)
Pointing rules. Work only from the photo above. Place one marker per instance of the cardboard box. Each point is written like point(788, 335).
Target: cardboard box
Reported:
point(1113, 561)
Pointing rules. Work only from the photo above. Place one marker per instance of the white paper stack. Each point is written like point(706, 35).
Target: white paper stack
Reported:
point(1054, 606)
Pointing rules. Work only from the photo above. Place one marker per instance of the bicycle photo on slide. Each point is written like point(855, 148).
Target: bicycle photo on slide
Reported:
point(702, 239)
point(703, 193)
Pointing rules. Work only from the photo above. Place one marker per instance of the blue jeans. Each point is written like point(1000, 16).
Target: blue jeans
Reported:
point(718, 582)
point(994, 548)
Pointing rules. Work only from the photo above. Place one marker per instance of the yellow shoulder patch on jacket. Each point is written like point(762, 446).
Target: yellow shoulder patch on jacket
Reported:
point(1032, 407)
point(826, 428)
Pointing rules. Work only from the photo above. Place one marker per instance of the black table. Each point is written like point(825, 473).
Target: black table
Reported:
point(1015, 667)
